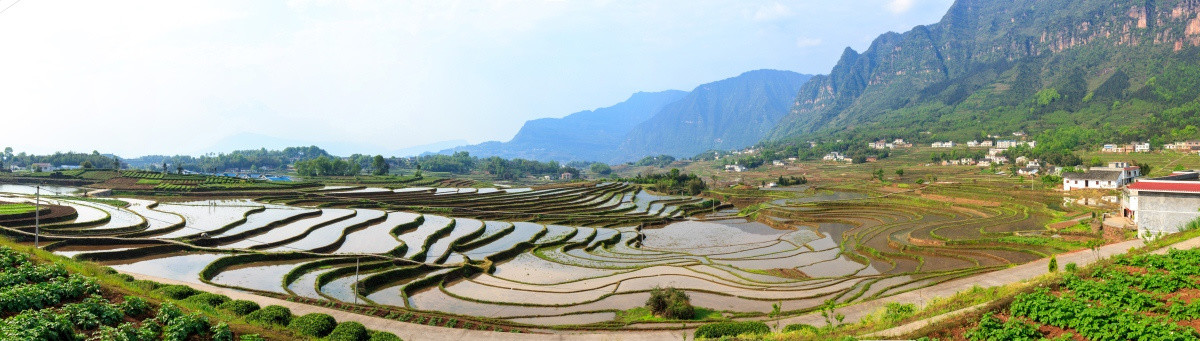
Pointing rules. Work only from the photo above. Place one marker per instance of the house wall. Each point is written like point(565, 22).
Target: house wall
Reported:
point(1164, 212)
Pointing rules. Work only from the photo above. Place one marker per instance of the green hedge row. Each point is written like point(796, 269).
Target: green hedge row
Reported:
point(375, 282)
point(468, 246)
point(304, 234)
point(432, 238)
point(337, 244)
point(214, 268)
point(409, 226)
point(222, 240)
point(731, 329)
point(133, 253)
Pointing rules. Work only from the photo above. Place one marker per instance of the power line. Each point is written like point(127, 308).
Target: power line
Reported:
point(9, 6)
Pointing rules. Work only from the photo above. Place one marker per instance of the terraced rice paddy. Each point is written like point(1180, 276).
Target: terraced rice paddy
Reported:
point(570, 255)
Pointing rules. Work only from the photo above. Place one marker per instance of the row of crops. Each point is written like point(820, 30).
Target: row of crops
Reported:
point(1143, 297)
point(955, 227)
point(45, 302)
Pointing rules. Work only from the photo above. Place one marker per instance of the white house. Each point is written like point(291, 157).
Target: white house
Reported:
point(1114, 176)
point(1141, 147)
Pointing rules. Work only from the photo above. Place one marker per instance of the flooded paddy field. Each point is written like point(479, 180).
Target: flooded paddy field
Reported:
point(572, 255)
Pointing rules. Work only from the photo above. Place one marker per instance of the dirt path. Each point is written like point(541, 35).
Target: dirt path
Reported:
point(418, 332)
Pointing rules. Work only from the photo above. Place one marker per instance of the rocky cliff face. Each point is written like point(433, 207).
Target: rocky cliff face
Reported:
point(1013, 46)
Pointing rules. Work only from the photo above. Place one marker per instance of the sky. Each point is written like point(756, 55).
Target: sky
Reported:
point(181, 77)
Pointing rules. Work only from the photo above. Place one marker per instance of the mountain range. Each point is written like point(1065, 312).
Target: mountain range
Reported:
point(732, 113)
point(1092, 71)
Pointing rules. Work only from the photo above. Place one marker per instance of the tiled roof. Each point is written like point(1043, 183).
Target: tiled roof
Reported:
point(1095, 174)
point(1167, 186)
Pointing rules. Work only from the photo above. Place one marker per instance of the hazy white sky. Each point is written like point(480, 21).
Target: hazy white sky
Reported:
point(165, 77)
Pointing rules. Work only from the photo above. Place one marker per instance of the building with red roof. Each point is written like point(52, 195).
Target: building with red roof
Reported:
point(1163, 205)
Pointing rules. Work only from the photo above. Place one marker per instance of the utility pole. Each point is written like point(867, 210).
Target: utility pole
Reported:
point(37, 215)
point(356, 263)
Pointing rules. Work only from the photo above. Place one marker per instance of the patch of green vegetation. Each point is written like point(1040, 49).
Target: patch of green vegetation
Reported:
point(643, 314)
point(16, 208)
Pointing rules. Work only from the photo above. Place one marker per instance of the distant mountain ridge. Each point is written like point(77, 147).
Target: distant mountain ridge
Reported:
point(585, 135)
point(728, 114)
point(732, 113)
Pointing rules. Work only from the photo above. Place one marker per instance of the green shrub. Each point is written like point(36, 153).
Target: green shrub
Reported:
point(252, 337)
point(728, 329)
point(221, 332)
point(799, 327)
point(92, 313)
point(209, 299)
point(895, 312)
point(146, 285)
point(37, 325)
point(1053, 265)
point(135, 306)
point(315, 324)
point(991, 329)
point(181, 328)
point(384, 336)
point(239, 307)
point(349, 331)
point(670, 303)
point(1071, 267)
point(271, 315)
point(177, 292)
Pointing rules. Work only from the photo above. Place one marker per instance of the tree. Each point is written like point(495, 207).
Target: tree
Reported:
point(601, 168)
point(86, 165)
point(116, 163)
point(379, 166)
point(178, 168)
point(164, 169)
point(670, 303)
point(899, 172)
point(1053, 264)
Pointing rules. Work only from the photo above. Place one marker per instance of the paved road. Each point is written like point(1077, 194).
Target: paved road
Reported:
point(854, 313)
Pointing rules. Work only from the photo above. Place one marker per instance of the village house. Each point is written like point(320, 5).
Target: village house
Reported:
point(947, 144)
point(1163, 205)
point(834, 156)
point(567, 176)
point(1006, 144)
point(735, 168)
point(1141, 147)
point(1114, 176)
